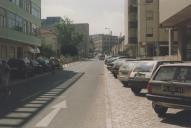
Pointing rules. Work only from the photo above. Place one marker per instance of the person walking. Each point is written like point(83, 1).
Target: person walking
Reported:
point(4, 77)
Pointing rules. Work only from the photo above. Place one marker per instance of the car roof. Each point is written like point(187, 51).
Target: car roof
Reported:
point(178, 64)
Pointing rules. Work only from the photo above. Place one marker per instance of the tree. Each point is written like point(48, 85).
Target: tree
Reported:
point(68, 38)
point(46, 50)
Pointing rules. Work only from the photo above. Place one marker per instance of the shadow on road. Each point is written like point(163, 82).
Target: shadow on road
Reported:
point(182, 118)
point(30, 98)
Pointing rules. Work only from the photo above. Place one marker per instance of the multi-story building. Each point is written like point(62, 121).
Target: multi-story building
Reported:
point(104, 43)
point(175, 16)
point(50, 22)
point(19, 23)
point(144, 36)
point(131, 24)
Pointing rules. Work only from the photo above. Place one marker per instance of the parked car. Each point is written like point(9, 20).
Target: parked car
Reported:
point(125, 71)
point(45, 64)
point(142, 73)
point(19, 68)
point(37, 67)
point(117, 64)
point(170, 87)
point(111, 61)
point(55, 62)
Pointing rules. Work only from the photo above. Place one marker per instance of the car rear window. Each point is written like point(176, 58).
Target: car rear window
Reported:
point(165, 74)
point(175, 74)
point(144, 67)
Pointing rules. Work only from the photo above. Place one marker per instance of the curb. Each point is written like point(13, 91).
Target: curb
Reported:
point(35, 77)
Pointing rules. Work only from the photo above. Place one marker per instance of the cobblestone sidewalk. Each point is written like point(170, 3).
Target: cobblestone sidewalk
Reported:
point(129, 111)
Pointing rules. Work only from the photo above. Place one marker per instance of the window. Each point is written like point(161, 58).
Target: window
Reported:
point(144, 67)
point(149, 15)
point(165, 74)
point(36, 11)
point(149, 32)
point(34, 29)
point(2, 18)
point(148, 1)
point(3, 51)
point(19, 24)
point(12, 52)
point(11, 20)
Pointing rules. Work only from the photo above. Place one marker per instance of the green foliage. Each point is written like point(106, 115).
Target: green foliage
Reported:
point(68, 38)
point(46, 50)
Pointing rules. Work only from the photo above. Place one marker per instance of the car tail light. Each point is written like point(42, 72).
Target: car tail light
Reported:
point(149, 88)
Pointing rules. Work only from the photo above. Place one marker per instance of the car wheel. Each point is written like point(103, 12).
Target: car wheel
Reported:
point(160, 110)
point(136, 91)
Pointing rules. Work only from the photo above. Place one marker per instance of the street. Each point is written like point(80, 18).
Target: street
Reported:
point(84, 95)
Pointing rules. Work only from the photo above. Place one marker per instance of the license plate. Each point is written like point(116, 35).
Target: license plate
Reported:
point(172, 89)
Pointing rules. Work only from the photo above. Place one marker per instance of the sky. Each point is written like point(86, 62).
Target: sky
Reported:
point(100, 14)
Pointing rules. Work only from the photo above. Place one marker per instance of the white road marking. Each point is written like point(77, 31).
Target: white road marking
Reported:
point(45, 122)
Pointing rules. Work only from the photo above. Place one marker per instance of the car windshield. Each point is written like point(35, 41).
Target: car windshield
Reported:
point(144, 66)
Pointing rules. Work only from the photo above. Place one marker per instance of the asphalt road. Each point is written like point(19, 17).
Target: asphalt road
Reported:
point(95, 100)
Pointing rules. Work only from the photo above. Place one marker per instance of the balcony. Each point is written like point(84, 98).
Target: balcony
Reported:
point(19, 37)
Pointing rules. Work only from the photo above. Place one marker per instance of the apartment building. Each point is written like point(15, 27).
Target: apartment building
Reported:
point(175, 16)
point(19, 24)
point(104, 43)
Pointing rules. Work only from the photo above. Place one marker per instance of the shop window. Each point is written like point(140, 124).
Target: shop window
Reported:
point(149, 32)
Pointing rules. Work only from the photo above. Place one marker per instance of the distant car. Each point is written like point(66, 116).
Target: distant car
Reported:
point(142, 73)
point(117, 64)
point(170, 87)
point(19, 68)
point(125, 71)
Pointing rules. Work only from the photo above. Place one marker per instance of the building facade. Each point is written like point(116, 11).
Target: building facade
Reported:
point(152, 40)
point(131, 27)
point(104, 43)
point(143, 34)
point(19, 24)
point(175, 16)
